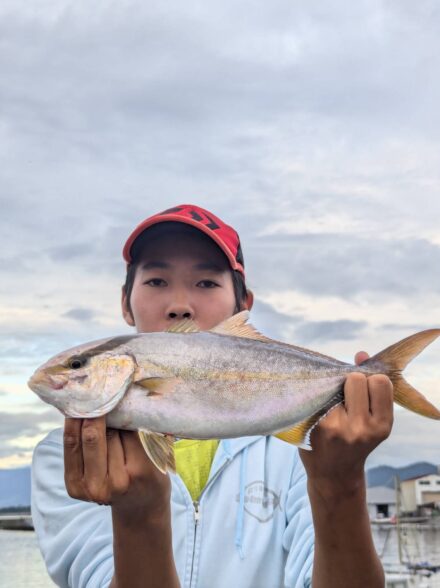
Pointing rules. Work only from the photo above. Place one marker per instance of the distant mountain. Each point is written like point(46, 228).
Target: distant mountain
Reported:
point(384, 475)
point(15, 487)
point(15, 484)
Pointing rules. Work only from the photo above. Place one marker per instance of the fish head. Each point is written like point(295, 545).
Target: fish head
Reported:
point(86, 381)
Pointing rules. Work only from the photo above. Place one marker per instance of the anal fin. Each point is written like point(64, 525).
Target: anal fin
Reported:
point(159, 449)
point(299, 434)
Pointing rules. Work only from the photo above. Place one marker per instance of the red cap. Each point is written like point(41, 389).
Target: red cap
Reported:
point(224, 235)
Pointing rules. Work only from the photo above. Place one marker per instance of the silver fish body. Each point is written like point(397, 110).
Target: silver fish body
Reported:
point(225, 386)
point(227, 382)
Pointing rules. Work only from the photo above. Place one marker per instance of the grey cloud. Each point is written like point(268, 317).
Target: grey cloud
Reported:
point(271, 322)
point(26, 424)
point(11, 265)
point(329, 330)
point(413, 438)
point(170, 75)
point(406, 327)
point(14, 352)
point(345, 265)
point(21, 355)
point(172, 104)
point(12, 450)
point(31, 345)
point(69, 251)
point(80, 314)
point(286, 328)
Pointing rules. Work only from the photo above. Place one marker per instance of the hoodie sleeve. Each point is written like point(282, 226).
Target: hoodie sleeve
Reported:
point(298, 539)
point(75, 537)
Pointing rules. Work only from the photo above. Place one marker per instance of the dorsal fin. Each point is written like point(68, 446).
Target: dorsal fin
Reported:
point(185, 326)
point(236, 326)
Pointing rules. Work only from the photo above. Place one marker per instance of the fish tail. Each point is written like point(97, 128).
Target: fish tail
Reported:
point(395, 358)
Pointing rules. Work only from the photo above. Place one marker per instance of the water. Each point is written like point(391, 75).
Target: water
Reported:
point(21, 564)
point(418, 543)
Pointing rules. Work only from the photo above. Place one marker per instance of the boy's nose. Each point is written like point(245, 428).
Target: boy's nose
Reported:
point(180, 311)
point(180, 315)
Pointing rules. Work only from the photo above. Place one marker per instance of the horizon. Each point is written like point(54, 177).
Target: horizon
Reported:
point(23, 467)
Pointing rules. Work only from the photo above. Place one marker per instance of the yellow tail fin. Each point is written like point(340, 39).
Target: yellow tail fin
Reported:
point(392, 361)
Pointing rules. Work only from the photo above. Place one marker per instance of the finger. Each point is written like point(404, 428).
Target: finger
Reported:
point(331, 425)
point(73, 459)
point(360, 357)
point(133, 449)
point(381, 397)
point(94, 446)
point(357, 401)
point(116, 461)
point(135, 457)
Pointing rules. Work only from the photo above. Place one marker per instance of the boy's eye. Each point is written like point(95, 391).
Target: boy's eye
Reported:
point(207, 284)
point(156, 282)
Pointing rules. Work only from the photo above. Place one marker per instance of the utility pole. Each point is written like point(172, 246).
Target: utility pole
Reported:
point(398, 511)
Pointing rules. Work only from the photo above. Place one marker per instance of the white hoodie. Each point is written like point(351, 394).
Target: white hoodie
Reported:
point(251, 528)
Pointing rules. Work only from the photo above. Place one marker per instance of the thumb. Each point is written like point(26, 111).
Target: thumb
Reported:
point(360, 357)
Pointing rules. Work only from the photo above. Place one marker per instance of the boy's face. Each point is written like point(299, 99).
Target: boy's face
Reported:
point(186, 276)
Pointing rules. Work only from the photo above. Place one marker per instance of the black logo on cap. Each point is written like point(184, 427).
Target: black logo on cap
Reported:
point(211, 224)
point(197, 217)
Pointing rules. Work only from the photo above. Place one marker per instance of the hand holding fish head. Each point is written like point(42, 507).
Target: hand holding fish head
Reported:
point(109, 466)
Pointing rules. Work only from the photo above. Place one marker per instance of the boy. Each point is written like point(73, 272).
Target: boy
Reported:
point(258, 522)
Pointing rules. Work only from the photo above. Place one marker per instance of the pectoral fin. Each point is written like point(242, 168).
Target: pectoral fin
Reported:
point(159, 449)
point(158, 386)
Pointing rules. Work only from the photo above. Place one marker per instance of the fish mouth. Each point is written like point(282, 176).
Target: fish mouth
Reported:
point(57, 383)
point(41, 381)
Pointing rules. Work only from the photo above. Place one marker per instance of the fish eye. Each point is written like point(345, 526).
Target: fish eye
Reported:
point(75, 363)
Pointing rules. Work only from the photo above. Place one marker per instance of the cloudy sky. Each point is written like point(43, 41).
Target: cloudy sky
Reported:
point(311, 127)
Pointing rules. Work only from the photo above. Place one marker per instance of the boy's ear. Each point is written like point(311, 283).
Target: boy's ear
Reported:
point(125, 311)
point(249, 300)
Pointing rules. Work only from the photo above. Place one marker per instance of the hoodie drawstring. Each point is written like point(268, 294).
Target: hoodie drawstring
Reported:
point(227, 448)
point(240, 516)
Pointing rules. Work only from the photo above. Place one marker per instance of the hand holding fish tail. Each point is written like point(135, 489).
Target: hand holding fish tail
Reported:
point(341, 442)
point(343, 439)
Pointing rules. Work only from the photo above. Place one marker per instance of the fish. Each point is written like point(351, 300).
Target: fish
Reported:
point(229, 381)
